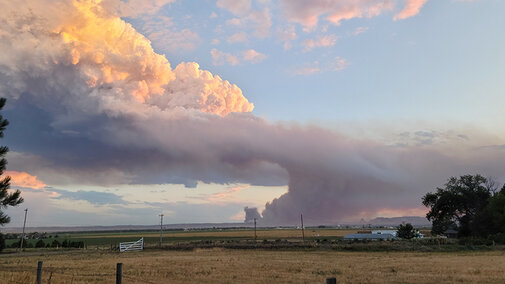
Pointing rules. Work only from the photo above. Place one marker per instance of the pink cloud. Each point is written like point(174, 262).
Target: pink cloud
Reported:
point(237, 7)
point(23, 179)
point(253, 56)
point(237, 37)
point(338, 64)
point(412, 8)
point(220, 57)
point(322, 41)
point(308, 14)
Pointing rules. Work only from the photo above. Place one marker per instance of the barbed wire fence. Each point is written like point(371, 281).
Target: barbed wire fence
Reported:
point(24, 274)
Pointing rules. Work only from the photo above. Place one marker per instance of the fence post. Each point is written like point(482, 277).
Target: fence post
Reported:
point(119, 273)
point(39, 272)
point(332, 280)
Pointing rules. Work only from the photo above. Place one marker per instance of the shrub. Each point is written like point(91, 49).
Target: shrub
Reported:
point(40, 244)
point(2, 242)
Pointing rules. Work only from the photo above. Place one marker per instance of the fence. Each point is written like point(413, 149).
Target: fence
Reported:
point(95, 276)
point(130, 246)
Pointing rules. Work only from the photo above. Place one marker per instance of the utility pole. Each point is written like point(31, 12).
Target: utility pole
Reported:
point(161, 229)
point(23, 235)
point(255, 229)
point(303, 232)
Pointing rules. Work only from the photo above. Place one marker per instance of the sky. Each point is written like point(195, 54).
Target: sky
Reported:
point(340, 110)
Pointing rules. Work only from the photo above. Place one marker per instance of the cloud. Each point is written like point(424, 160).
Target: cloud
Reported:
point(220, 57)
point(322, 41)
point(237, 37)
point(162, 31)
point(224, 196)
point(93, 197)
point(90, 102)
point(115, 64)
point(134, 8)
point(253, 56)
point(411, 8)
point(337, 64)
point(309, 14)
point(360, 30)
point(260, 21)
point(237, 7)
point(286, 35)
point(23, 179)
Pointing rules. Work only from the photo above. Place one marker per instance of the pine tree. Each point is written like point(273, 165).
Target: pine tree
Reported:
point(6, 198)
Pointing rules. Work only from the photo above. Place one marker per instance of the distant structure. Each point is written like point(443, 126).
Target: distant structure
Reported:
point(451, 233)
point(383, 232)
point(374, 237)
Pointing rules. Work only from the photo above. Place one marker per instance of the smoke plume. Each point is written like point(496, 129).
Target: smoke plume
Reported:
point(97, 105)
point(251, 213)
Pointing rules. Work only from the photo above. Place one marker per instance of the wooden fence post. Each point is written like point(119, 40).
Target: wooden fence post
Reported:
point(332, 280)
point(39, 272)
point(119, 273)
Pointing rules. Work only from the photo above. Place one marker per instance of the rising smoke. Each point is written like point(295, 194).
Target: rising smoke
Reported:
point(103, 107)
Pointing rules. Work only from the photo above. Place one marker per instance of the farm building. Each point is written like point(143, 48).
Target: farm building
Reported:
point(451, 233)
point(369, 237)
point(381, 232)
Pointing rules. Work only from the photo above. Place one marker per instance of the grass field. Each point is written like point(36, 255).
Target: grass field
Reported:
point(256, 266)
point(107, 238)
point(366, 263)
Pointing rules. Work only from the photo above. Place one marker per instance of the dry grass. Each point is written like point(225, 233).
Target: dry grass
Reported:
point(258, 266)
point(262, 234)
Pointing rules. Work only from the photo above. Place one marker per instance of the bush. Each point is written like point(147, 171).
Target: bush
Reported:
point(15, 244)
point(55, 244)
point(40, 244)
point(498, 238)
point(475, 241)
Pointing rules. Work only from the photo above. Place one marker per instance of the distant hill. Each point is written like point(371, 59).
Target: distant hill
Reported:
point(395, 221)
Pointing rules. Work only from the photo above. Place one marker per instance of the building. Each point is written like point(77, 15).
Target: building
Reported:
point(451, 233)
point(380, 232)
point(374, 237)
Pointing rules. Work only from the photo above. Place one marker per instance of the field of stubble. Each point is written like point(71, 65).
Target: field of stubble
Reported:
point(256, 266)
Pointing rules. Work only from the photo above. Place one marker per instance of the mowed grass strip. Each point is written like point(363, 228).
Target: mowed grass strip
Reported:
point(259, 266)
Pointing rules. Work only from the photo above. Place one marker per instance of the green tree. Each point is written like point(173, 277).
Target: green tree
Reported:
point(491, 220)
point(6, 198)
point(457, 204)
point(407, 231)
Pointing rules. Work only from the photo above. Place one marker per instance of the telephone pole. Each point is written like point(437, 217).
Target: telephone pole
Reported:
point(161, 229)
point(303, 232)
point(23, 235)
point(255, 237)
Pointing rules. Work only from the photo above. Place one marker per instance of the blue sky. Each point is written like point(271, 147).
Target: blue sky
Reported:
point(441, 64)
point(340, 109)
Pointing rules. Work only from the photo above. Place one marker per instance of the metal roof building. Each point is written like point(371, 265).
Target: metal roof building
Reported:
point(369, 237)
